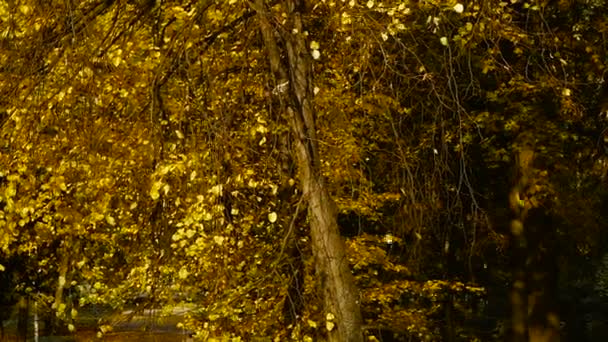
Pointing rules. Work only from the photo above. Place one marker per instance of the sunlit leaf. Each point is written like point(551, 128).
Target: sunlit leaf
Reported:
point(155, 190)
point(272, 217)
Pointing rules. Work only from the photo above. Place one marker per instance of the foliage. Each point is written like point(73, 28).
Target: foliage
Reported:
point(144, 152)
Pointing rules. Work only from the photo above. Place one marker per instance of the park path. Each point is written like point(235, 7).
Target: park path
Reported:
point(128, 325)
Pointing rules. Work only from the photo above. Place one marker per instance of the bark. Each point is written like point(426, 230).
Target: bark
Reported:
point(340, 295)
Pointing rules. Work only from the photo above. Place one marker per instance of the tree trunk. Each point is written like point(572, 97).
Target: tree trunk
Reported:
point(449, 331)
point(519, 247)
point(23, 307)
point(543, 309)
point(534, 314)
point(340, 295)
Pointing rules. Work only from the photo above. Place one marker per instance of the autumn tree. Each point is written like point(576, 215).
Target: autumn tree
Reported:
point(215, 153)
point(340, 295)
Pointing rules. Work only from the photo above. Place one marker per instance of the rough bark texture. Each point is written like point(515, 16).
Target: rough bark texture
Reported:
point(341, 297)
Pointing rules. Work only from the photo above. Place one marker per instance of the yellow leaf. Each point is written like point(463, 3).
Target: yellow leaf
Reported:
point(116, 61)
point(183, 273)
point(216, 190)
point(218, 239)
point(458, 8)
point(11, 191)
point(154, 191)
point(111, 221)
point(25, 9)
point(272, 217)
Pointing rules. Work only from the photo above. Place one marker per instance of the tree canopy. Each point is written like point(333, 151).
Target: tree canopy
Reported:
point(147, 148)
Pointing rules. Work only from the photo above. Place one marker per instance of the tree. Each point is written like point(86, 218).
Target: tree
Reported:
point(166, 150)
point(340, 295)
